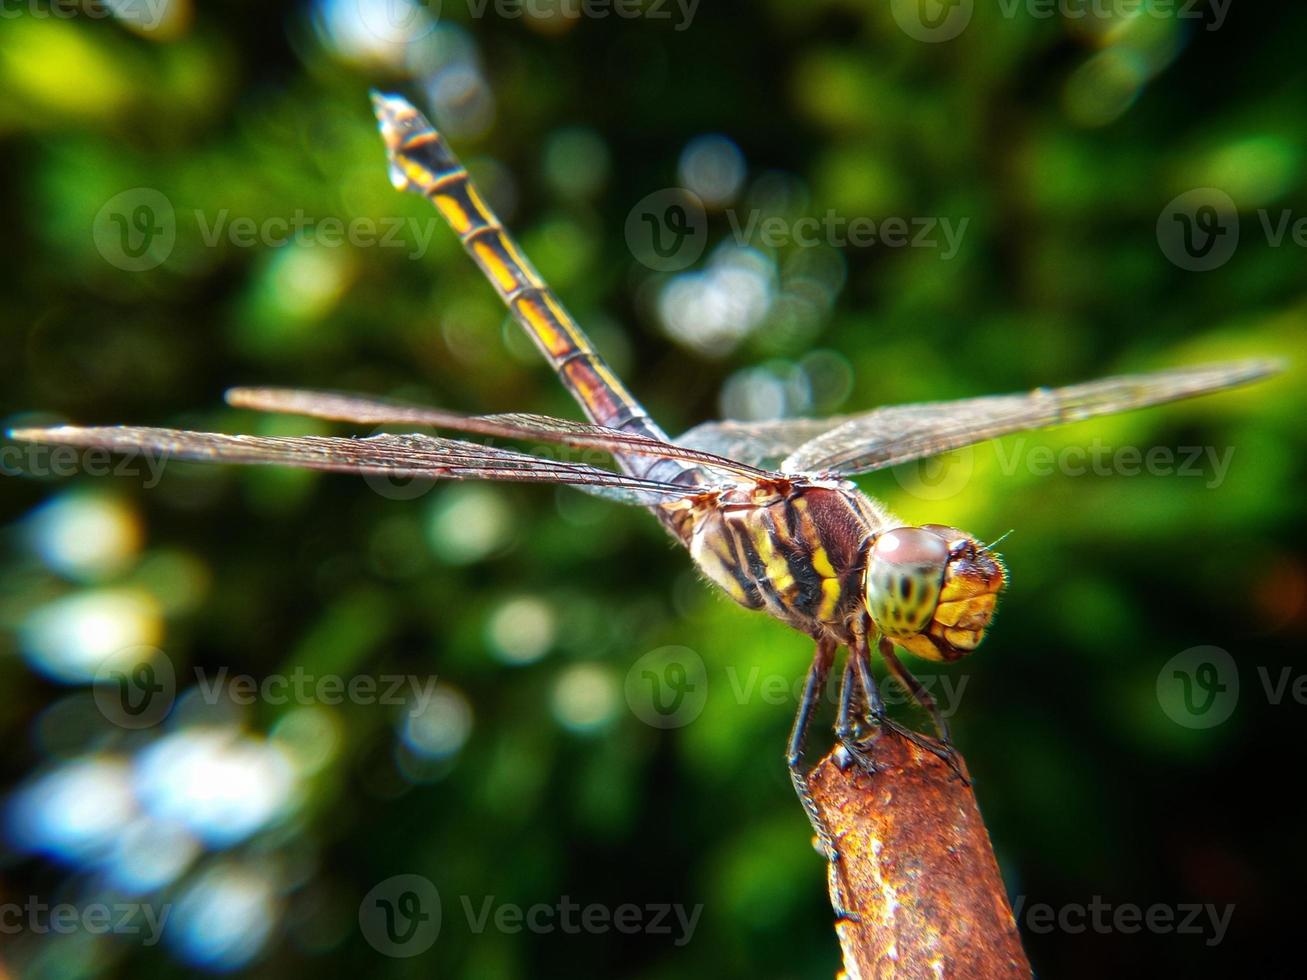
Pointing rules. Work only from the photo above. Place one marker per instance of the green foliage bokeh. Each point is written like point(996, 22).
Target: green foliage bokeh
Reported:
point(1059, 139)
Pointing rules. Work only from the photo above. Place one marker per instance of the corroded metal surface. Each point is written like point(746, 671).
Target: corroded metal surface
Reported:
point(918, 870)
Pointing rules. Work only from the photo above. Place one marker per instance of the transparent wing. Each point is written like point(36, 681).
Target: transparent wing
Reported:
point(342, 407)
point(763, 444)
point(404, 456)
point(899, 433)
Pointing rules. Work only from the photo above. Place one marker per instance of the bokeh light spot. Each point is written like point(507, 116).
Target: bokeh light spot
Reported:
point(585, 697)
point(522, 630)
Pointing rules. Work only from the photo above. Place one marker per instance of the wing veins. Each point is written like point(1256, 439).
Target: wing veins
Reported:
point(397, 455)
point(896, 434)
point(342, 407)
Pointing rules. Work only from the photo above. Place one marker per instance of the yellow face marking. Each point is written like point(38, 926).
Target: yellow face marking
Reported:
point(495, 266)
point(964, 639)
point(957, 590)
point(453, 213)
point(965, 612)
point(920, 645)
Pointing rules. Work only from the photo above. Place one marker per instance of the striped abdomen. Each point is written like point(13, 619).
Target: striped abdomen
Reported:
point(798, 556)
point(422, 162)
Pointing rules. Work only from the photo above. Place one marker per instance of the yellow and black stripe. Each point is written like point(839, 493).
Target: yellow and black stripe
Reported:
point(422, 162)
point(799, 557)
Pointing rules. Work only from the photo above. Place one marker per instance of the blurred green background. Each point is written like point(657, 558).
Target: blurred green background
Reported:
point(529, 776)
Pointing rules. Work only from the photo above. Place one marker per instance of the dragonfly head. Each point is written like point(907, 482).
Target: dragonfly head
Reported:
point(932, 589)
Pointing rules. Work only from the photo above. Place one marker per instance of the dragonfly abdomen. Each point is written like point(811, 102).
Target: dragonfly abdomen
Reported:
point(422, 162)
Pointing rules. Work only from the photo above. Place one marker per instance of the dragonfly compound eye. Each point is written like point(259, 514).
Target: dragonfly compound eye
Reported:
point(905, 573)
point(932, 590)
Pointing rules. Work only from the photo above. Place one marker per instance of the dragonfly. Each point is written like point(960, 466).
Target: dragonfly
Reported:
point(766, 510)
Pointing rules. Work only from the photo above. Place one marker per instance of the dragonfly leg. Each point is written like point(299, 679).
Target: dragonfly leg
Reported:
point(916, 688)
point(846, 723)
point(860, 654)
point(861, 714)
point(812, 689)
point(944, 746)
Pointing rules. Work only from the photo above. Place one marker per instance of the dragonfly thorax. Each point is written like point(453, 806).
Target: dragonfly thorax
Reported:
point(796, 550)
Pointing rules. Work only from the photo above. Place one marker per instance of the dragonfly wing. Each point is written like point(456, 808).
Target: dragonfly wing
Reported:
point(403, 456)
point(899, 433)
point(343, 407)
point(763, 444)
